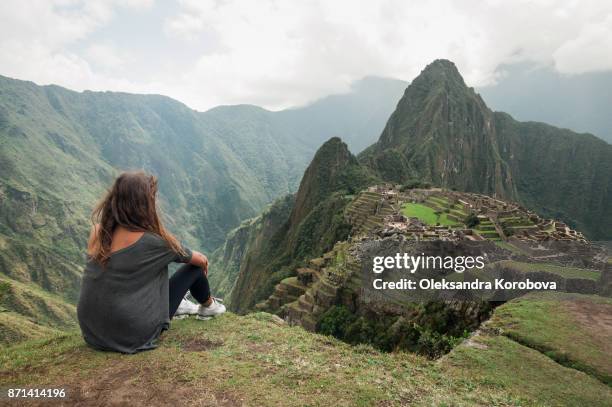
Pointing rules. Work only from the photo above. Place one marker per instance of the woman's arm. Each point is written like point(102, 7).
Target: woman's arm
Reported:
point(200, 260)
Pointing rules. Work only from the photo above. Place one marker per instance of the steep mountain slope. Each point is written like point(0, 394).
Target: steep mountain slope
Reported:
point(252, 236)
point(311, 228)
point(29, 312)
point(443, 132)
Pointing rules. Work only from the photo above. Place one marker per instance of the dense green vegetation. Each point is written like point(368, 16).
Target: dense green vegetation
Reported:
point(431, 330)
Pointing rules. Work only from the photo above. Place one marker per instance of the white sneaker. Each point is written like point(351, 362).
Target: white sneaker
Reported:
point(214, 309)
point(186, 307)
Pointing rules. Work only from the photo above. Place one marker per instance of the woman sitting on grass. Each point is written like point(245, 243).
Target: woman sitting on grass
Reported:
point(126, 298)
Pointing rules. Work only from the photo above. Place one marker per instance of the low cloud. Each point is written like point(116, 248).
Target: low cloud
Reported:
point(279, 54)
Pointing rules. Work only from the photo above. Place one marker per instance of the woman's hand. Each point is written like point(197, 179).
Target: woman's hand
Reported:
point(200, 260)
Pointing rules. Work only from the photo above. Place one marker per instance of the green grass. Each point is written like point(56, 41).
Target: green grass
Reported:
point(34, 311)
point(510, 247)
point(15, 328)
point(426, 215)
point(567, 272)
point(488, 234)
point(572, 329)
point(525, 377)
point(255, 360)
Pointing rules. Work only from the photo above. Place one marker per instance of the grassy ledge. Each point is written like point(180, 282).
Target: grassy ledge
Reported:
point(258, 360)
point(574, 330)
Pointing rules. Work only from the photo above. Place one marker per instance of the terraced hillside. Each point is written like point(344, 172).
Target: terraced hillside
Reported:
point(367, 211)
point(326, 293)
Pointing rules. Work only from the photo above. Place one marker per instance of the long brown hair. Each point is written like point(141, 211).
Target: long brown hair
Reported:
point(131, 203)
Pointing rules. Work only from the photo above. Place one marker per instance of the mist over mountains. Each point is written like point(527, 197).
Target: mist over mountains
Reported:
point(577, 102)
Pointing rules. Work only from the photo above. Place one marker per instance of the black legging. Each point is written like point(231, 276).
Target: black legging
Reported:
point(188, 277)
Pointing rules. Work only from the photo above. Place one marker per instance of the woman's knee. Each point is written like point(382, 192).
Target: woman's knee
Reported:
point(189, 268)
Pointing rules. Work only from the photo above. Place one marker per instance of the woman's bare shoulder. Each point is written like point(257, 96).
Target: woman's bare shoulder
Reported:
point(93, 234)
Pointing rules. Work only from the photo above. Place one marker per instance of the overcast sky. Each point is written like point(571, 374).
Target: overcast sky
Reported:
point(279, 53)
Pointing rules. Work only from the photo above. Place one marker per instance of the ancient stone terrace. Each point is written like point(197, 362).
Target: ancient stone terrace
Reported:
point(368, 210)
point(384, 211)
point(387, 209)
point(323, 283)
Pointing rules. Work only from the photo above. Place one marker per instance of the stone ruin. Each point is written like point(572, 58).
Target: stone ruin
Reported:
point(501, 214)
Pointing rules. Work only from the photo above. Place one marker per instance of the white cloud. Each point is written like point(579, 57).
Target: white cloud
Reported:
point(284, 53)
point(590, 51)
point(36, 36)
point(106, 56)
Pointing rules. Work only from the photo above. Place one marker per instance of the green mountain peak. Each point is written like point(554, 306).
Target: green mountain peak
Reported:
point(441, 69)
point(442, 132)
point(322, 176)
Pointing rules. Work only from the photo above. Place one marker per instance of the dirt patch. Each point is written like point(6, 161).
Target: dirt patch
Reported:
point(227, 399)
point(6, 376)
point(594, 317)
point(124, 384)
point(595, 320)
point(200, 345)
point(473, 342)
